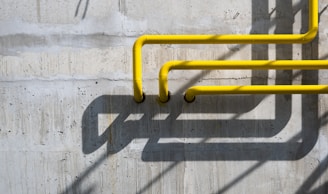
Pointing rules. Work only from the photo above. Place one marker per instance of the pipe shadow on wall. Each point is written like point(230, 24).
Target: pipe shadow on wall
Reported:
point(141, 121)
point(123, 129)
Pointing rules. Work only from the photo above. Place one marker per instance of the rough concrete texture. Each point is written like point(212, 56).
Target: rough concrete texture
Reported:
point(68, 122)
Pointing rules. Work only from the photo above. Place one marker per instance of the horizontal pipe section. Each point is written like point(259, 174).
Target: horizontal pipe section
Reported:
point(218, 39)
point(221, 64)
point(192, 92)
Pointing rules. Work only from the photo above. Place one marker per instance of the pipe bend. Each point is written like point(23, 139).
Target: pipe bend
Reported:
point(137, 68)
point(164, 95)
point(164, 71)
point(141, 40)
point(310, 35)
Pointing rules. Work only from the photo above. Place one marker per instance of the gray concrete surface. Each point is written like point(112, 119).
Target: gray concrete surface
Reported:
point(68, 122)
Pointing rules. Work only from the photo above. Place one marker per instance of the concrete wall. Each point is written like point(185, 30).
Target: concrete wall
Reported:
point(68, 122)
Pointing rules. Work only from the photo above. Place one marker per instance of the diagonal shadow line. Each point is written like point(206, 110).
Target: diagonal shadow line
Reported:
point(322, 11)
point(85, 8)
point(322, 189)
point(319, 171)
point(75, 186)
point(78, 8)
point(240, 177)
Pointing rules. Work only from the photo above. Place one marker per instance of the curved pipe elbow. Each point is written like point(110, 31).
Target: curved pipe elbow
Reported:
point(137, 68)
point(310, 35)
point(164, 95)
point(141, 40)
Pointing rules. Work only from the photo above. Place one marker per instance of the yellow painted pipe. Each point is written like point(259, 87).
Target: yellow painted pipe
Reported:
point(254, 89)
point(218, 39)
point(221, 64)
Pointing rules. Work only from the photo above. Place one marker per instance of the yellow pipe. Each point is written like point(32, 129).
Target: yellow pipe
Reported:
point(254, 89)
point(221, 64)
point(218, 39)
